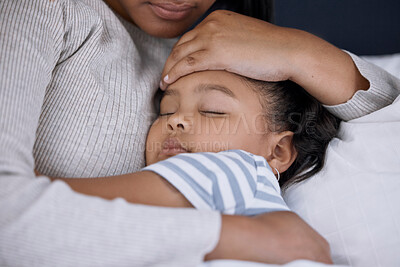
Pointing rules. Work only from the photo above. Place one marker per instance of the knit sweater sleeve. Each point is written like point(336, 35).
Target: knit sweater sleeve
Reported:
point(48, 224)
point(384, 88)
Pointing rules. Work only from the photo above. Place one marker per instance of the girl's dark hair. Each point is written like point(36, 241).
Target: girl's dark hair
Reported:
point(288, 107)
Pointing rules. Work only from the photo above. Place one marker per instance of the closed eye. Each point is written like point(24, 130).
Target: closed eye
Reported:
point(212, 113)
point(166, 114)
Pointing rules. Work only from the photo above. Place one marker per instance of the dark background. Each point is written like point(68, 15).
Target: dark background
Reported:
point(364, 27)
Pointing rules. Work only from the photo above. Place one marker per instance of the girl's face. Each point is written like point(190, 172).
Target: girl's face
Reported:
point(161, 18)
point(208, 111)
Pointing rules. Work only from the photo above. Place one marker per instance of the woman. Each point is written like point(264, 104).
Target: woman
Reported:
point(76, 82)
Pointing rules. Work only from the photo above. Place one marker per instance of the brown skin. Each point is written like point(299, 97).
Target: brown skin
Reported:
point(240, 239)
point(139, 187)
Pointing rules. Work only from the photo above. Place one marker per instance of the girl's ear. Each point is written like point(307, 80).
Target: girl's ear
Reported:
point(282, 153)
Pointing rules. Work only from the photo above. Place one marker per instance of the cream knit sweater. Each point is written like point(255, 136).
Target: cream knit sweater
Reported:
point(76, 84)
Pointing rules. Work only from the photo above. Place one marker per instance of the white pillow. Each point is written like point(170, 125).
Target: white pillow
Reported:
point(354, 202)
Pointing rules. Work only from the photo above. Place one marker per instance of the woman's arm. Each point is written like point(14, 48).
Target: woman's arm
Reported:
point(260, 50)
point(48, 223)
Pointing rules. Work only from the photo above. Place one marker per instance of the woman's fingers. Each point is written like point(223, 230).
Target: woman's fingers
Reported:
point(187, 44)
point(179, 53)
point(196, 61)
point(198, 39)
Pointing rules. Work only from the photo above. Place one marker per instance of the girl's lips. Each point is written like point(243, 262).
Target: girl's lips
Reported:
point(171, 11)
point(172, 147)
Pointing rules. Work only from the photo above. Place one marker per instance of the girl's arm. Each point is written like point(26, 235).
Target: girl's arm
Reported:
point(144, 187)
point(205, 184)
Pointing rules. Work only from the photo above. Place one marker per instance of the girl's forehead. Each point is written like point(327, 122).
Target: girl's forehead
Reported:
point(222, 87)
point(225, 82)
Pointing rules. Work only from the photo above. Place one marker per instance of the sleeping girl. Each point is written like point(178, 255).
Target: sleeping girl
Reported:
point(222, 142)
point(268, 132)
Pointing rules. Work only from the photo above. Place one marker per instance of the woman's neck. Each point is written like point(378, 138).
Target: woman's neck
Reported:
point(117, 7)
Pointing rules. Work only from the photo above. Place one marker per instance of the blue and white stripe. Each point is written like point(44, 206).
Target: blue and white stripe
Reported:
point(233, 181)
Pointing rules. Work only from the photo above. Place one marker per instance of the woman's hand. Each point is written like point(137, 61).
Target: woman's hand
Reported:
point(260, 50)
point(276, 237)
point(229, 41)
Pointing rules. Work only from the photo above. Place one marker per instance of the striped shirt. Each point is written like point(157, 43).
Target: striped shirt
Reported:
point(232, 182)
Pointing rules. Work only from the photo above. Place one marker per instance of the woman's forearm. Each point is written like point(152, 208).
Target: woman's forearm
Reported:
point(141, 187)
point(326, 72)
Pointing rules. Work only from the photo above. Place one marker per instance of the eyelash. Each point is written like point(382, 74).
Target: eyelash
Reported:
point(201, 111)
point(212, 112)
point(166, 114)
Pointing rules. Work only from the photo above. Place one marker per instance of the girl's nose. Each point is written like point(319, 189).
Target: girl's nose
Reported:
point(179, 122)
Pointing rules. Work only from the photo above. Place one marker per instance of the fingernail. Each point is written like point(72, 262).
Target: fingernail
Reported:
point(166, 78)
